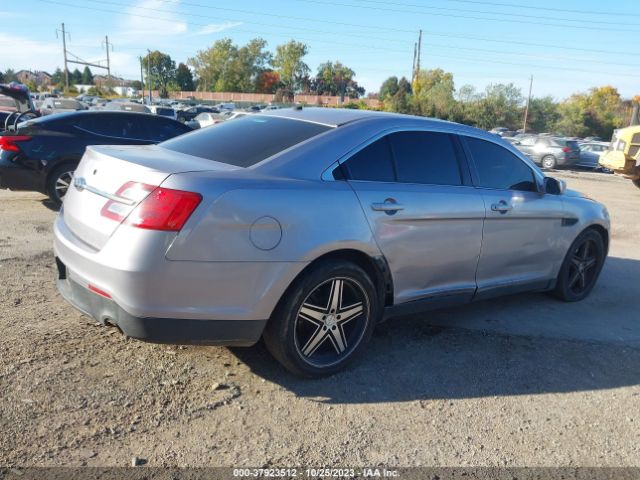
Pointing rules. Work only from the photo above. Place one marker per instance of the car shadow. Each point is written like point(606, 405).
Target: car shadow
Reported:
point(47, 202)
point(519, 345)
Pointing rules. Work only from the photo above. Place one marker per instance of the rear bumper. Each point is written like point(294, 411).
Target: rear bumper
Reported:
point(159, 330)
point(17, 177)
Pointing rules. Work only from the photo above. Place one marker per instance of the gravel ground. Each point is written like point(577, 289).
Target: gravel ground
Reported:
point(522, 381)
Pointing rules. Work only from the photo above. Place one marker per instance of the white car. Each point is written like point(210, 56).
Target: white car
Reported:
point(205, 119)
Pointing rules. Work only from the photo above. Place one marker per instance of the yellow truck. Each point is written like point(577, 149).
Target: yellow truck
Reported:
point(623, 155)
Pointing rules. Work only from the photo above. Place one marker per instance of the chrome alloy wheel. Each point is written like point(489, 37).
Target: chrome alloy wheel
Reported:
point(63, 182)
point(582, 269)
point(331, 322)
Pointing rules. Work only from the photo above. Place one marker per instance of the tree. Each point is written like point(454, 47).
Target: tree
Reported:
point(388, 88)
point(400, 101)
point(499, 105)
point(225, 67)
point(268, 82)
point(433, 94)
point(290, 66)
point(543, 115)
point(162, 71)
point(596, 112)
point(75, 77)
point(10, 76)
point(184, 78)
point(87, 76)
point(336, 79)
point(58, 77)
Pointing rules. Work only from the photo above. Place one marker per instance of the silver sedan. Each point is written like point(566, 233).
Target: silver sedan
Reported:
point(308, 226)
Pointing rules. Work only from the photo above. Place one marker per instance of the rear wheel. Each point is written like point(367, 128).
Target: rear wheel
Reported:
point(324, 320)
point(59, 181)
point(581, 267)
point(636, 182)
point(549, 161)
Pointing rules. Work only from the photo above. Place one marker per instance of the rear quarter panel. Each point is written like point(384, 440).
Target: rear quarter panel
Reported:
point(278, 220)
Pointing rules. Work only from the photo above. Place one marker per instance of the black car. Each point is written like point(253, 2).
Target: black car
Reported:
point(41, 154)
point(192, 112)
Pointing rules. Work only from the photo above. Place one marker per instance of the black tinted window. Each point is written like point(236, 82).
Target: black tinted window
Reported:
point(245, 141)
point(120, 126)
point(425, 157)
point(499, 168)
point(373, 163)
point(160, 131)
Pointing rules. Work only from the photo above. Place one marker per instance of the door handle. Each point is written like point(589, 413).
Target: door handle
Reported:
point(501, 206)
point(389, 206)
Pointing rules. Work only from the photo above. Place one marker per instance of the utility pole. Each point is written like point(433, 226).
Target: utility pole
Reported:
point(526, 110)
point(107, 45)
point(141, 77)
point(413, 67)
point(149, 74)
point(64, 50)
point(419, 53)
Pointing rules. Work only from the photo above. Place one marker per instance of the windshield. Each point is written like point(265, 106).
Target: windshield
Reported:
point(227, 142)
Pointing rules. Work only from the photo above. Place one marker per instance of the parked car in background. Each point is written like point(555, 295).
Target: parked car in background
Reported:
point(550, 152)
point(126, 107)
point(195, 240)
point(42, 154)
point(191, 112)
point(623, 155)
point(231, 115)
point(205, 119)
point(53, 105)
point(163, 110)
point(226, 106)
point(16, 105)
point(590, 153)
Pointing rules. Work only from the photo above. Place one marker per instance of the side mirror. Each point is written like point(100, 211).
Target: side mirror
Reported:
point(553, 186)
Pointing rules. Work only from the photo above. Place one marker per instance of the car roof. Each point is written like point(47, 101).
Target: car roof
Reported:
point(335, 117)
point(331, 117)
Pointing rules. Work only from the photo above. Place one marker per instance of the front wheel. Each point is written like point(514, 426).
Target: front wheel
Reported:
point(581, 267)
point(324, 320)
point(58, 183)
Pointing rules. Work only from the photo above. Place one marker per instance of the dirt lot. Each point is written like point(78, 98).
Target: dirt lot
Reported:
point(519, 381)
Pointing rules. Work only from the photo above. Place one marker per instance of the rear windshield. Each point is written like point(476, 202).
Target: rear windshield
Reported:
point(567, 143)
point(245, 141)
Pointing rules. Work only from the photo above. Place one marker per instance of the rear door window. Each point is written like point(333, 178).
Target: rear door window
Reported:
point(245, 141)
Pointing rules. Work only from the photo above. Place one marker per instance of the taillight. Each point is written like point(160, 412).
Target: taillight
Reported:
point(160, 209)
point(131, 193)
point(566, 149)
point(10, 142)
point(164, 209)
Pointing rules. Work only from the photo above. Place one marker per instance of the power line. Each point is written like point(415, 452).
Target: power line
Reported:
point(472, 17)
point(307, 19)
point(549, 9)
point(504, 14)
point(553, 67)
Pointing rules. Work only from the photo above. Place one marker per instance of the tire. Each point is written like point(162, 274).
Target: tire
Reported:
point(59, 176)
point(306, 333)
point(636, 182)
point(581, 267)
point(548, 161)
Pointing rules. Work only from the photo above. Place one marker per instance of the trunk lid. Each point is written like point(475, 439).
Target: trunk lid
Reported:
point(102, 173)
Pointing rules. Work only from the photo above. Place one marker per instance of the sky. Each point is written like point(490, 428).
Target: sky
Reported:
point(568, 46)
